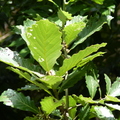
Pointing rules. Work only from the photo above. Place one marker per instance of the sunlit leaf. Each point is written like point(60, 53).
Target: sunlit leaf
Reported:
point(115, 89)
point(84, 100)
point(71, 31)
point(103, 113)
point(44, 42)
point(52, 81)
point(114, 106)
point(13, 59)
point(108, 84)
point(98, 1)
point(49, 104)
point(64, 16)
point(92, 85)
point(76, 58)
point(31, 78)
point(111, 98)
point(72, 103)
point(18, 100)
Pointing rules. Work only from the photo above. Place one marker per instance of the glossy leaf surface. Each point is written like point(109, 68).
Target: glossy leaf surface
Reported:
point(115, 88)
point(103, 113)
point(18, 100)
point(13, 59)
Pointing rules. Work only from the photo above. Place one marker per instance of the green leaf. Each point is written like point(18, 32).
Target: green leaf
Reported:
point(31, 78)
point(72, 103)
point(74, 77)
point(92, 85)
point(47, 43)
point(111, 98)
point(84, 112)
point(18, 100)
point(76, 58)
point(115, 89)
point(13, 59)
point(64, 16)
point(114, 106)
point(98, 1)
point(49, 104)
point(52, 81)
point(103, 113)
point(84, 100)
point(77, 19)
point(29, 87)
point(22, 29)
point(89, 58)
point(94, 24)
point(71, 31)
point(108, 84)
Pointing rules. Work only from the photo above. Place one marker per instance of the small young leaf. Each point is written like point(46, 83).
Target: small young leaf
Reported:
point(18, 100)
point(103, 113)
point(76, 58)
point(44, 42)
point(71, 31)
point(49, 104)
point(115, 89)
point(64, 16)
point(92, 85)
point(108, 84)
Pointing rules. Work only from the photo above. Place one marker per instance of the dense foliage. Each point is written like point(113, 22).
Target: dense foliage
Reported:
point(66, 54)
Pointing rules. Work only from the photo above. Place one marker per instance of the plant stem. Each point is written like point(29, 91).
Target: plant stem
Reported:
point(67, 94)
point(66, 75)
point(64, 2)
